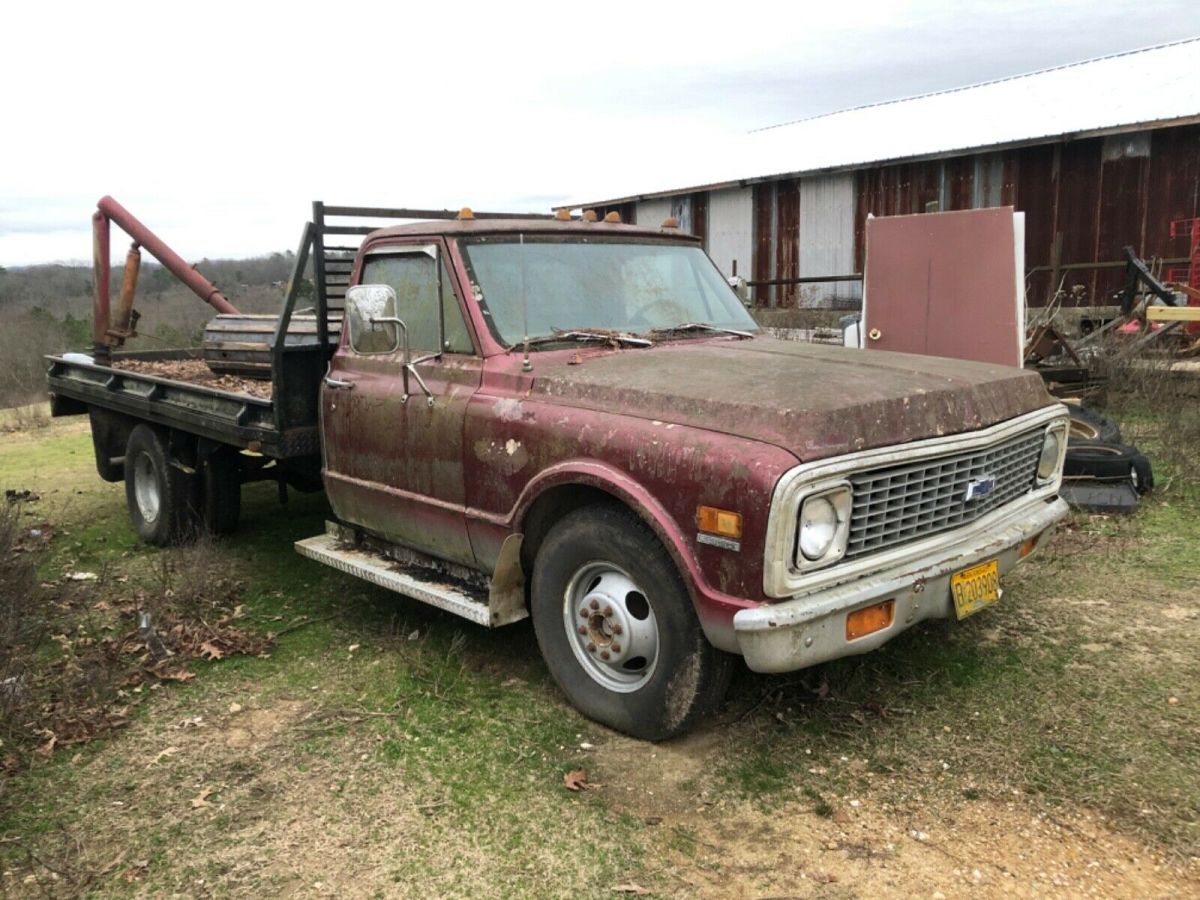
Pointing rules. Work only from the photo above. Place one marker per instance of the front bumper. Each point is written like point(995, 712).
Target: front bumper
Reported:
point(810, 628)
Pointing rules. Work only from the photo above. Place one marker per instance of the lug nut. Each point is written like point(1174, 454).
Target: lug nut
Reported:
point(607, 611)
point(595, 604)
point(604, 654)
point(591, 648)
point(616, 648)
point(616, 628)
point(583, 629)
point(584, 612)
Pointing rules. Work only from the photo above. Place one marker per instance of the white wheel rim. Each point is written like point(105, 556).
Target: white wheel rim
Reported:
point(145, 488)
point(611, 626)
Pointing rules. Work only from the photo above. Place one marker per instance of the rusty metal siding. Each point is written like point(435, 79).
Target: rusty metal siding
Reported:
point(700, 217)
point(681, 212)
point(764, 241)
point(959, 183)
point(731, 229)
point(1078, 208)
point(1035, 195)
point(1172, 188)
point(827, 213)
point(787, 239)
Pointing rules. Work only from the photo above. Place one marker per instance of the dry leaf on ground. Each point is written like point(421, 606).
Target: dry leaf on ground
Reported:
point(576, 780)
point(201, 799)
point(163, 754)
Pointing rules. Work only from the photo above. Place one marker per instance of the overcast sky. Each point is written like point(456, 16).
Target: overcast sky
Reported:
point(218, 123)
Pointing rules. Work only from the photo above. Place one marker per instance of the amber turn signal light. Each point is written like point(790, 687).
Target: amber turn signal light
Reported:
point(719, 521)
point(1028, 546)
point(870, 619)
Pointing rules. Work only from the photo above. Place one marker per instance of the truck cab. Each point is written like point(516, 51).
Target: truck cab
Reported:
point(582, 421)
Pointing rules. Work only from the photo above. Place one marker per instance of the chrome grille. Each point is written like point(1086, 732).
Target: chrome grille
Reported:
point(902, 503)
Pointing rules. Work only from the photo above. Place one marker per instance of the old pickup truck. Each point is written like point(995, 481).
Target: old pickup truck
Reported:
point(578, 421)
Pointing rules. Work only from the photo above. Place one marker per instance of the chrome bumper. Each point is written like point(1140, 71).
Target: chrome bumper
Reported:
point(810, 628)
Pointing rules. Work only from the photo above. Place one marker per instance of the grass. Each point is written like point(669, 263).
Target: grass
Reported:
point(382, 748)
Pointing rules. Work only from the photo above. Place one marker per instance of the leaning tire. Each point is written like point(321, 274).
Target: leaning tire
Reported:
point(1143, 474)
point(1098, 459)
point(617, 629)
point(221, 492)
point(1089, 425)
point(156, 492)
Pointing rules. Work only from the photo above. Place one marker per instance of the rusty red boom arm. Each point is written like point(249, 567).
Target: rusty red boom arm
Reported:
point(108, 210)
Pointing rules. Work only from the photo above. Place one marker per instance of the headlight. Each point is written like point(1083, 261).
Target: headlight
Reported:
point(1051, 450)
point(823, 527)
point(818, 527)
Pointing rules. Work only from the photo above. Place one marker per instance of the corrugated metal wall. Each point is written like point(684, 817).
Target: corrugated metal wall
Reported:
point(731, 230)
point(651, 213)
point(827, 236)
point(1083, 201)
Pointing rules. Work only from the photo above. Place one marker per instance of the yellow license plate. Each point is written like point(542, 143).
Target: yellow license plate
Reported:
point(975, 588)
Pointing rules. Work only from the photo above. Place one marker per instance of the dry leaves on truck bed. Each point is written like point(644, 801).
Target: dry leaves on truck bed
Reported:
point(196, 371)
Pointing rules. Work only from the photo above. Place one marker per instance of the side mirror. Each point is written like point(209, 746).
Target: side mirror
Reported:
point(371, 313)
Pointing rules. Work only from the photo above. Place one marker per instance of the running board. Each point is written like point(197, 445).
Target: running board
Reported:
point(422, 577)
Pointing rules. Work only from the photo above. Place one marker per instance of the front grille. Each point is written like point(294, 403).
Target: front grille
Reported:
point(906, 502)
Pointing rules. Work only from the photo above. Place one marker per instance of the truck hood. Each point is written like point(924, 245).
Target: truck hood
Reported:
point(815, 401)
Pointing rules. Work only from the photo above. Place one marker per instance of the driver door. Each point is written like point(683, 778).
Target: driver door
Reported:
point(393, 432)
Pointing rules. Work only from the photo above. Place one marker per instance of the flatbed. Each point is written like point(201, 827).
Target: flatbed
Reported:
point(222, 408)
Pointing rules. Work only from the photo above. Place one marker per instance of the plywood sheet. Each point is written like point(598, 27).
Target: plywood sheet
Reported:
point(945, 284)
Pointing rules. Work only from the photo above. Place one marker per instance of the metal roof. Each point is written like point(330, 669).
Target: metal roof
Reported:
point(1126, 91)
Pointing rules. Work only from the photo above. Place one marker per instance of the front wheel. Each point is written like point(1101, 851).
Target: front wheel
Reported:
point(617, 628)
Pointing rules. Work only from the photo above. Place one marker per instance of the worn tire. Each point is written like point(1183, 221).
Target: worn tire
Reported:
point(1089, 425)
point(156, 492)
point(606, 551)
point(220, 492)
point(1143, 474)
point(1099, 459)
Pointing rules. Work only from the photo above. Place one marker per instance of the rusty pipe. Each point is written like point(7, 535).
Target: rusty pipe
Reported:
point(121, 325)
point(200, 286)
point(100, 297)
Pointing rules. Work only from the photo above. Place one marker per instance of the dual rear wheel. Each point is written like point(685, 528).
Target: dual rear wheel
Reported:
point(169, 504)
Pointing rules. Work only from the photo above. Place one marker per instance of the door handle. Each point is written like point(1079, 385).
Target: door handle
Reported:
point(338, 385)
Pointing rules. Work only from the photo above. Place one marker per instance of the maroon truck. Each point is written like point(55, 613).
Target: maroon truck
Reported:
point(579, 421)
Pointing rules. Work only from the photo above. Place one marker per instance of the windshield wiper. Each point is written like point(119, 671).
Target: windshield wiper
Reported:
point(613, 338)
point(699, 326)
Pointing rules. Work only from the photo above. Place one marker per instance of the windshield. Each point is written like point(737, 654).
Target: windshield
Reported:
point(598, 285)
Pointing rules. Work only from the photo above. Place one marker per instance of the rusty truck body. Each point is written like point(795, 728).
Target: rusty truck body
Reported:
point(579, 421)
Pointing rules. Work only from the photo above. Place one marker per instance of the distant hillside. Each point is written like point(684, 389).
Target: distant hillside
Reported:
point(62, 289)
point(47, 309)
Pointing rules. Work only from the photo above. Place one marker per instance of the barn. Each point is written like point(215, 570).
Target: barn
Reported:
point(1097, 154)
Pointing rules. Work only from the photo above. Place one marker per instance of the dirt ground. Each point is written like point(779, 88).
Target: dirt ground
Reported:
point(875, 844)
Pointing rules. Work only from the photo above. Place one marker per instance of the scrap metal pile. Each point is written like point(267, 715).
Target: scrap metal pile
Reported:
point(1157, 318)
